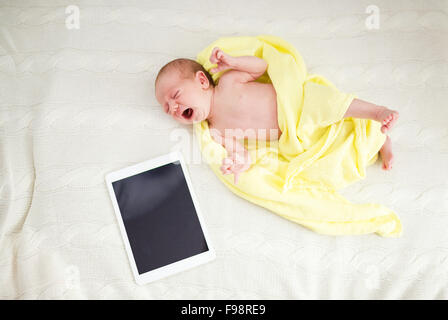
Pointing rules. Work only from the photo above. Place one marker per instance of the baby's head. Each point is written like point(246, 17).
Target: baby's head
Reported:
point(184, 89)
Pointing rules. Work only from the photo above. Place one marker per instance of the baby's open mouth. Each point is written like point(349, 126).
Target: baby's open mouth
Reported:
point(187, 113)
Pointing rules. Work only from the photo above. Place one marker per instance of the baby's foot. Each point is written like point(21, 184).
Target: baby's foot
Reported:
point(386, 154)
point(387, 118)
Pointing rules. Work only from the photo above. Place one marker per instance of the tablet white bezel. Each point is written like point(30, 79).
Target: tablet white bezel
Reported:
point(177, 266)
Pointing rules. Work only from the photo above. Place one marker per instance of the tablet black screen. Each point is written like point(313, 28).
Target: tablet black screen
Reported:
point(159, 217)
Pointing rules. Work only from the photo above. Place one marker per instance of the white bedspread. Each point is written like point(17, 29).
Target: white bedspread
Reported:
point(76, 104)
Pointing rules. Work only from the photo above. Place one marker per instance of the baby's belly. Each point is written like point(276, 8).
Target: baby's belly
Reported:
point(262, 123)
point(254, 115)
point(255, 130)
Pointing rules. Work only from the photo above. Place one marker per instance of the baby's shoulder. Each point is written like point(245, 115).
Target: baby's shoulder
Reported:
point(234, 77)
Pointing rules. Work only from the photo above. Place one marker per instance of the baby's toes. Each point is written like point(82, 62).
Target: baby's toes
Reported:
point(395, 116)
point(224, 169)
point(393, 120)
point(387, 165)
point(384, 128)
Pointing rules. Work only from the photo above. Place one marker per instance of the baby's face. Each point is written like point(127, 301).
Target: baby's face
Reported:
point(186, 100)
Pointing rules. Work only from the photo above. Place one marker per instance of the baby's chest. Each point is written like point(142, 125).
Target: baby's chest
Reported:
point(238, 123)
point(242, 100)
point(236, 115)
point(240, 109)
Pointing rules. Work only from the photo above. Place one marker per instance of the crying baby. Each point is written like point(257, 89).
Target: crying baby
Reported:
point(240, 107)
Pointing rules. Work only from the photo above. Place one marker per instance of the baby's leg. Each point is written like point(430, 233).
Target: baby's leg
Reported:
point(386, 154)
point(366, 110)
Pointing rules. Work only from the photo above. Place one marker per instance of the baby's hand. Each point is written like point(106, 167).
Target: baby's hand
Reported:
point(235, 164)
point(222, 59)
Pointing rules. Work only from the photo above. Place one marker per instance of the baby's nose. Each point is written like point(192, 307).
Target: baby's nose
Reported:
point(173, 107)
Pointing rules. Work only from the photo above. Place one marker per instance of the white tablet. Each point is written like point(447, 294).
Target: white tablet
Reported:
point(159, 217)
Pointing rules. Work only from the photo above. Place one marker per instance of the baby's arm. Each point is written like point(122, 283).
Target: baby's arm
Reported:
point(238, 158)
point(252, 65)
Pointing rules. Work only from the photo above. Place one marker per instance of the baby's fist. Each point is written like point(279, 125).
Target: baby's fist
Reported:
point(236, 164)
point(216, 55)
point(222, 59)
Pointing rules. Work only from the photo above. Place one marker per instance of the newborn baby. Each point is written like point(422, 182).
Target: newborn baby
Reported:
point(239, 107)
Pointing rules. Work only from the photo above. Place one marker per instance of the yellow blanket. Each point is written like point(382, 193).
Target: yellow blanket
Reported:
point(318, 152)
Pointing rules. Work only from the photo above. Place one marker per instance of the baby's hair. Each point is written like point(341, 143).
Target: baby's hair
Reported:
point(187, 69)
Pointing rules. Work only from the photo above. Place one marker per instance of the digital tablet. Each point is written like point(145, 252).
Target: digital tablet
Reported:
point(159, 217)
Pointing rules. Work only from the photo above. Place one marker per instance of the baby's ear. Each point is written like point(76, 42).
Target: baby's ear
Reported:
point(203, 79)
